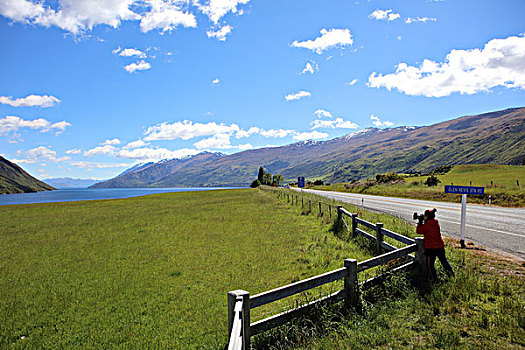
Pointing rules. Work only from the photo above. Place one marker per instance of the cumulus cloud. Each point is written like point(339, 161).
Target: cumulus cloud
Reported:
point(155, 154)
point(310, 68)
point(500, 63)
point(216, 9)
point(90, 165)
point(215, 81)
point(166, 16)
point(321, 113)
point(106, 150)
point(78, 16)
point(135, 144)
point(30, 101)
point(141, 65)
point(329, 39)
point(74, 151)
point(186, 130)
point(297, 95)
point(410, 20)
point(276, 133)
point(111, 142)
point(13, 124)
point(247, 133)
point(377, 122)
point(220, 34)
point(303, 136)
point(352, 82)
point(338, 123)
point(384, 15)
point(39, 154)
point(217, 141)
point(130, 52)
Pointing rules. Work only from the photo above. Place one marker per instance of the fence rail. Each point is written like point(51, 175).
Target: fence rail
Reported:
point(240, 302)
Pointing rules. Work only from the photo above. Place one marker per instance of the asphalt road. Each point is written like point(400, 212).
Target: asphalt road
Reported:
point(496, 228)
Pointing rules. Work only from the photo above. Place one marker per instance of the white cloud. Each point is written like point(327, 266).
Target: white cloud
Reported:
point(166, 15)
point(410, 20)
point(352, 82)
point(89, 165)
point(338, 123)
point(276, 133)
point(74, 151)
point(30, 101)
point(310, 68)
point(216, 9)
point(220, 34)
point(303, 136)
point(297, 95)
point(384, 15)
point(215, 81)
point(247, 133)
point(217, 141)
point(321, 113)
point(141, 65)
point(111, 142)
point(79, 16)
point(245, 147)
point(328, 39)
point(129, 53)
point(500, 63)
point(136, 144)
point(13, 124)
point(155, 154)
point(39, 154)
point(107, 150)
point(377, 122)
point(186, 130)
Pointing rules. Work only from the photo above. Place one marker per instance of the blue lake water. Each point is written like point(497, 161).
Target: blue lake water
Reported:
point(86, 194)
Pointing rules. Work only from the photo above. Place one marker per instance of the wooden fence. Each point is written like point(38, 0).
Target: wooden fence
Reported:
point(240, 302)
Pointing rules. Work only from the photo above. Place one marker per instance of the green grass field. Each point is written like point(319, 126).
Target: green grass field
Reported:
point(503, 189)
point(151, 271)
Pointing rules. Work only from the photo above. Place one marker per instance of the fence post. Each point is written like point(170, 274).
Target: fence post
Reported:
point(302, 203)
point(320, 210)
point(379, 236)
point(232, 297)
point(309, 206)
point(354, 224)
point(420, 262)
point(351, 286)
point(330, 210)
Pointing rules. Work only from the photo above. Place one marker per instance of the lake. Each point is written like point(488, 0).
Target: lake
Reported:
point(86, 194)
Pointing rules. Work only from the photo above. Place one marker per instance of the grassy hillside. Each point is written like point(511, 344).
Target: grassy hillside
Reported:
point(503, 191)
point(13, 179)
point(496, 137)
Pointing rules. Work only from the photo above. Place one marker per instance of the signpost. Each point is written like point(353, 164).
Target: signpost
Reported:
point(300, 182)
point(464, 190)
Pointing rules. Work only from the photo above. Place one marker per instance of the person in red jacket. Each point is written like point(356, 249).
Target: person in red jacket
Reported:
point(434, 245)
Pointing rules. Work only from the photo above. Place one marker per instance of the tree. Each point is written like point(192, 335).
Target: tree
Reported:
point(260, 175)
point(255, 183)
point(267, 179)
point(277, 179)
point(432, 181)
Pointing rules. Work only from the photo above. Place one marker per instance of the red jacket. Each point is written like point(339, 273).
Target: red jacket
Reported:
point(431, 232)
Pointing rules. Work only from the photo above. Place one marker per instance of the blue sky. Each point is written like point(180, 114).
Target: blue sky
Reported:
point(87, 89)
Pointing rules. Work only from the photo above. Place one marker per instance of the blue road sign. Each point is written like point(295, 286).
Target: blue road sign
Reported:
point(478, 191)
point(300, 182)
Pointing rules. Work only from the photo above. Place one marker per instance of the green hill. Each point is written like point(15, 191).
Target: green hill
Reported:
point(496, 138)
point(13, 179)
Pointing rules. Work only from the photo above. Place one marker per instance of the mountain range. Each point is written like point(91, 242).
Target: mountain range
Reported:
point(496, 137)
point(68, 182)
point(14, 179)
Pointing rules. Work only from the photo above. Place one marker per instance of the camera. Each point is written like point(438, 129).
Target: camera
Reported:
point(419, 217)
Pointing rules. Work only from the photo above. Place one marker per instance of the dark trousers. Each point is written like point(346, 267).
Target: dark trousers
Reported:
point(431, 259)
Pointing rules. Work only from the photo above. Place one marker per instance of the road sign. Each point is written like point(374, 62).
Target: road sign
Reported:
point(478, 191)
point(300, 182)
